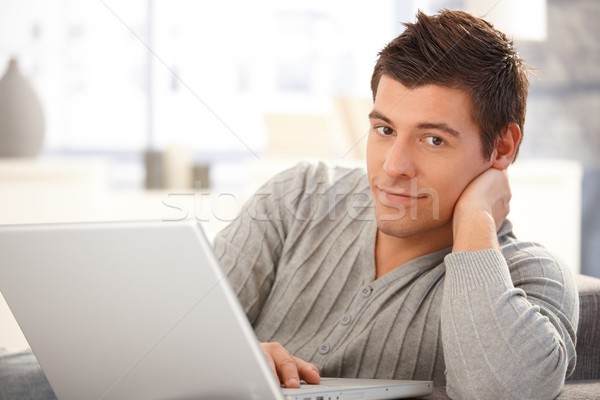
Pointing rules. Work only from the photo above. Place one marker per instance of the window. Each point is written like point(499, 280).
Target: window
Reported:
point(121, 77)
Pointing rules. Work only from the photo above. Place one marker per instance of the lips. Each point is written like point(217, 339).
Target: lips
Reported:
point(397, 197)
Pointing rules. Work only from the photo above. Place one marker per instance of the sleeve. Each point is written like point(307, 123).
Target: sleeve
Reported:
point(508, 324)
point(250, 247)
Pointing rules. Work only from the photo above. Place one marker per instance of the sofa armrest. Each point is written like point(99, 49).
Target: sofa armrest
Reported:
point(588, 330)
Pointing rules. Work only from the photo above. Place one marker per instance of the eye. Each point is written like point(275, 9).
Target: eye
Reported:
point(435, 141)
point(384, 130)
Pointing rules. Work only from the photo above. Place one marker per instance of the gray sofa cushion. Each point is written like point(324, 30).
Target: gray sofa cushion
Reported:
point(21, 378)
point(588, 331)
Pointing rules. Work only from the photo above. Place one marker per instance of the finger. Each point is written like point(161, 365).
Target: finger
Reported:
point(308, 372)
point(272, 366)
point(285, 366)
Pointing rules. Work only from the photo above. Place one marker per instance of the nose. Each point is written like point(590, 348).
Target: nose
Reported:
point(399, 161)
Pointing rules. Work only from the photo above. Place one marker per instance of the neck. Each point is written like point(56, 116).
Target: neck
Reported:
point(392, 252)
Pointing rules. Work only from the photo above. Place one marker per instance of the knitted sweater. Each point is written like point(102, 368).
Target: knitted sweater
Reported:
point(487, 324)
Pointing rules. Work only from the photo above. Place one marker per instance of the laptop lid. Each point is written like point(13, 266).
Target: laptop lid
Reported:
point(140, 310)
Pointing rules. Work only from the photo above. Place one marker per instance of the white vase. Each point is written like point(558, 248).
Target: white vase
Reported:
point(21, 116)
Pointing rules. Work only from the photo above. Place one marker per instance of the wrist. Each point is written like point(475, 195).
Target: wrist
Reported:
point(474, 230)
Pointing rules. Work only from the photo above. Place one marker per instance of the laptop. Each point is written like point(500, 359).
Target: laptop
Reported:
point(142, 310)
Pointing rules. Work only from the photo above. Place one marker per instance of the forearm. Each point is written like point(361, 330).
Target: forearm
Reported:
point(497, 344)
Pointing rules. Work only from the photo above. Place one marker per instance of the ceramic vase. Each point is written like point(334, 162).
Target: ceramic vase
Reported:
point(21, 116)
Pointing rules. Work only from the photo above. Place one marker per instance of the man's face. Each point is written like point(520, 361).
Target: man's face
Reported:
point(423, 150)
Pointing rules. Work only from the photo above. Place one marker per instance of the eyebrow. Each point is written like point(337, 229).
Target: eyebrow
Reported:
point(377, 115)
point(439, 126)
point(423, 125)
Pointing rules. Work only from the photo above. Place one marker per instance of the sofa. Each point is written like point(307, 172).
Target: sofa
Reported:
point(584, 383)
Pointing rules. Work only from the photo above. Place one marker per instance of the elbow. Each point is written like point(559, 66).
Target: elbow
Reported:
point(550, 389)
point(543, 393)
point(541, 379)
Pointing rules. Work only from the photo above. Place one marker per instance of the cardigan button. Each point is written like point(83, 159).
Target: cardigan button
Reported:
point(346, 319)
point(324, 348)
point(366, 291)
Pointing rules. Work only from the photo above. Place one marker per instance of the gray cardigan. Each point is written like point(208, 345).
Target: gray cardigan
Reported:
point(486, 324)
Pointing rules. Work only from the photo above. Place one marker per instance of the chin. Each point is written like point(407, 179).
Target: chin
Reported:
point(400, 229)
point(406, 227)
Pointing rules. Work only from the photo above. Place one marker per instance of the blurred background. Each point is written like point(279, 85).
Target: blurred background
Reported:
point(178, 109)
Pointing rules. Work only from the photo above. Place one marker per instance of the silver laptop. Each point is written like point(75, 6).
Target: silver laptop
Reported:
point(142, 310)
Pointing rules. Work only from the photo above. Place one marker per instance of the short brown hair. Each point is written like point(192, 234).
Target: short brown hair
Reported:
point(455, 49)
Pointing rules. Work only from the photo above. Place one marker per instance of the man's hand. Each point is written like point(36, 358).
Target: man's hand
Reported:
point(480, 210)
point(287, 368)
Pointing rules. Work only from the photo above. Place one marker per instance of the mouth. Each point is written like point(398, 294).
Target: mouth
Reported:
point(397, 197)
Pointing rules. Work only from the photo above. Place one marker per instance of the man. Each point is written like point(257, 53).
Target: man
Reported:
point(412, 271)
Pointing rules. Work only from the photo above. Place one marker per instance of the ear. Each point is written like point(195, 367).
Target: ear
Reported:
point(506, 147)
